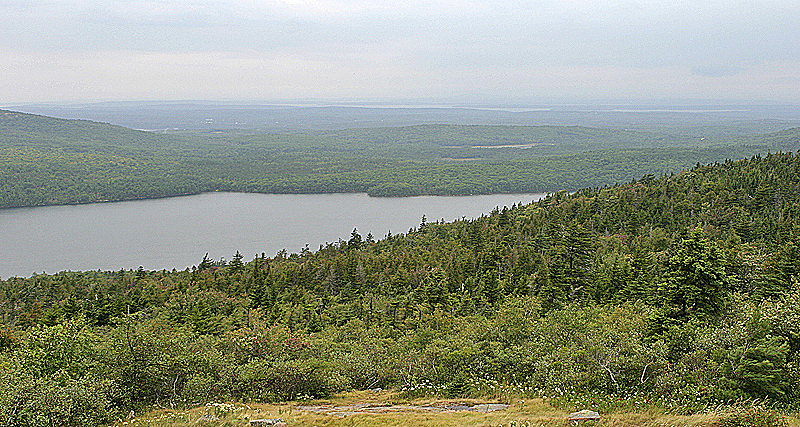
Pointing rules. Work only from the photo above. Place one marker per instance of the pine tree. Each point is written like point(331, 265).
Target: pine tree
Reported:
point(784, 269)
point(236, 264)
point(697, 284)
point(355, 240)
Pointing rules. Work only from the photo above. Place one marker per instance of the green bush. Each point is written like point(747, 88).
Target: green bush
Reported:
point(80, 402)
point(754, 417)
point(49, 380)
point(263, 380)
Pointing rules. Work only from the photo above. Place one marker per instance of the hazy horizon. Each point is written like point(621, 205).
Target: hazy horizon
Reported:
point(506, 51)
point(415, 102)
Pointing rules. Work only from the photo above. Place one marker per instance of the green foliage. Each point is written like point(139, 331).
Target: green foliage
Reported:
point(753, 417)
point(261, 380)
point(25, 401)
point(48, 161)
point(51, 379)
point(679, 291)
point(697, 282)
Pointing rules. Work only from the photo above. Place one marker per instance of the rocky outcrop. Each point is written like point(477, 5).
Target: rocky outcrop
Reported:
point(272, 422)
point(583, 416)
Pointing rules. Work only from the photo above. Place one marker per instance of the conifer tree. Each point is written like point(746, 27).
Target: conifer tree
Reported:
point(696, 282)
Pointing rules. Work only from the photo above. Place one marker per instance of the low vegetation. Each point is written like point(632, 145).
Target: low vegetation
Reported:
point(520, 413)
point(669, 295)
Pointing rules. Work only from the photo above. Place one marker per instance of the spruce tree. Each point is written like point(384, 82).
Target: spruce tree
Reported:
point(696, 283)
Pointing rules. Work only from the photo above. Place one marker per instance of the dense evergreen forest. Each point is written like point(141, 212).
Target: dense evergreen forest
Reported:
point(48, 161)
point(677, 292)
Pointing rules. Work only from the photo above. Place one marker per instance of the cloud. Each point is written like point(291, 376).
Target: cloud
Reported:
point(443, 46)
point(127, 75)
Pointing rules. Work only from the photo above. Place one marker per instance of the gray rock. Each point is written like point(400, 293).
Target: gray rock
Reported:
point(584, 415)
point(458, 408)
point(207, 417)
point(275, 422)
point(489, 407)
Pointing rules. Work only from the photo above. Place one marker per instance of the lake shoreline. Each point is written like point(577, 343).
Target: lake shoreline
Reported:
point(176, 232)
point(137, 199)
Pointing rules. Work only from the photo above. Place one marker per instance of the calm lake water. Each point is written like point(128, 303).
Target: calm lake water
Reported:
point(176, 232)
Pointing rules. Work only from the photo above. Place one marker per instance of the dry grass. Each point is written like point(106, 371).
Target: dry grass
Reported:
point(532, 412)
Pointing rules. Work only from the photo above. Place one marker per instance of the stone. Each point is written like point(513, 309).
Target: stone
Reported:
point(207, 418)
point(274, 422)
point(367, 408)
point(584, 415)
point(489, 407)
point(458, 408)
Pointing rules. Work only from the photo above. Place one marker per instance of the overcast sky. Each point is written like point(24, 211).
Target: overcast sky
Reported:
point(480, 51)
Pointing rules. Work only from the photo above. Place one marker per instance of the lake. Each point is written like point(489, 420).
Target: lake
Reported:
point(177, 232)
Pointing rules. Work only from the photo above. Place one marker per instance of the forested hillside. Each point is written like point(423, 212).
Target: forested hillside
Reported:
point(46, 161)
point(675, 293)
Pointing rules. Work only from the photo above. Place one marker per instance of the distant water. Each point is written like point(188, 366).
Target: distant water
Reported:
point(176, 232)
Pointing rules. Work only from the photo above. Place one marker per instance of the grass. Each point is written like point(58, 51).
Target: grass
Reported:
point(520, 413)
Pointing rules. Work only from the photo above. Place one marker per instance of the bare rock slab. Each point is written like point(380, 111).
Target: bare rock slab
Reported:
point(366, 408)
point(489, 407)
point(271, 422)
point(582, 416)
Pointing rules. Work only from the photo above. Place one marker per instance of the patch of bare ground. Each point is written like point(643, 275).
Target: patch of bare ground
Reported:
point(386, 408)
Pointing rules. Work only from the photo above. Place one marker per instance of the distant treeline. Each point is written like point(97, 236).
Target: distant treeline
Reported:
point(48, 161)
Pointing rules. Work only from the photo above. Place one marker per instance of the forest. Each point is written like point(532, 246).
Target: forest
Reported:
point(672, 292)
point(49, 161)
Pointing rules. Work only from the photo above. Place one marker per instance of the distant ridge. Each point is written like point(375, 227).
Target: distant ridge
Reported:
point(48, 161)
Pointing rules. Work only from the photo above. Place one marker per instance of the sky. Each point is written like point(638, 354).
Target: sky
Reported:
point(500, 51)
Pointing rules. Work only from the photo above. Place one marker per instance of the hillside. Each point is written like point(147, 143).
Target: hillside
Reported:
point(47, 161)
point(674, 294)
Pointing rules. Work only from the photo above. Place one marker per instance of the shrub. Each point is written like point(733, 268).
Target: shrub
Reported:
point(49, 380)
point(263, 380)
point(753, 417)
